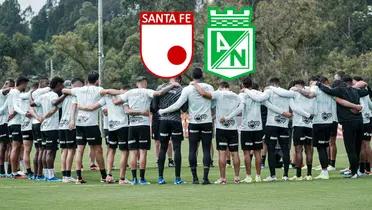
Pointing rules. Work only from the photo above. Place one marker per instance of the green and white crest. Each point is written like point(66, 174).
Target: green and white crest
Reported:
point(229, 49)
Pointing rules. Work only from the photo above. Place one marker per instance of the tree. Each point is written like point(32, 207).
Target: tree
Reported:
point(11, 21)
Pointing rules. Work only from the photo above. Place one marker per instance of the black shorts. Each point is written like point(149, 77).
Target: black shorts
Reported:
point(50, 139)
point(118, 137)
point(15, 133)
point(139, 137)
point(106, 135)
point(334, 128)
point(367, 131)
point(67, 139)
point(275, 134)
point(88, 134)
point(155, 129)
point(251, 140)
point(4, 133)
point(302, 136)
point(227, 139)
point(321, 134)
point(169, 129)
point(36, 134)
point(27, 135)
point(200, 132)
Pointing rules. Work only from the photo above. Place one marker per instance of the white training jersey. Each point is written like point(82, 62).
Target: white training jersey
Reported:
point(334, 111)
point(66, 106)
point(367, 109)
point(323, 107)
point(35, 95)
point(302, 109)
point(275, 117)
point(226, 102)
point(138, 99)
point(3, 108)
point(199, 108)
point(25, 106)
point(85, 96)
point(14, 105)
point(105, 119)
point(46, 102)
point(116, 116)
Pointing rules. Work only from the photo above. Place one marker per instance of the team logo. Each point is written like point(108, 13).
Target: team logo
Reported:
point(326, 116)
point(228, 123)
point(307, 120)
point(230, 43)
point(199, 118)
point(280, 119)
point(166, 42)
point(253, 124)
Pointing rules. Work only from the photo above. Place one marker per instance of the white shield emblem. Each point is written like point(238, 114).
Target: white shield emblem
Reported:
point(166, 42)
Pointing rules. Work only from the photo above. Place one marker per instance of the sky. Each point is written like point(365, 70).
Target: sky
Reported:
point(35, 4)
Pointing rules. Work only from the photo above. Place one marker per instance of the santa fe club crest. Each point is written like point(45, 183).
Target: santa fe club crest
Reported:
point(167, 42)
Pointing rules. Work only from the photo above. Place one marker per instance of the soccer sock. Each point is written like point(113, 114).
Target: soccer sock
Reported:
point(309, 168)
point(22, 165)
point(228, 162)
point(9, 168)
point(6, 165)
point(134, 173)
point(142, 174)
point(78, 174)
point(206, 173)
point(361, 167)
point(2, 169)
point(51, 173)
point(64, 173)
point(29, 171)
point(103, 173)
point(368, 167)
point(332, 163)
point(194, 173)
point(263, 160)
point(169, 159)
point(45, 172)
point(251, 156)
point(298, 171)
point(68, 173)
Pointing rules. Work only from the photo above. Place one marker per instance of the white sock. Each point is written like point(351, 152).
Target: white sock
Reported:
point(45, 173)
point(51, 173)
point(6, 164)
point(325, 172)
point(22, 165)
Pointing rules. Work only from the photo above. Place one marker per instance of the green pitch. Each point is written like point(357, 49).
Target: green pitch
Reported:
point(337, 193)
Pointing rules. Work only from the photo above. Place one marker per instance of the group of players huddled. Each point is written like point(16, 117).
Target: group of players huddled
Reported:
point(65, 114)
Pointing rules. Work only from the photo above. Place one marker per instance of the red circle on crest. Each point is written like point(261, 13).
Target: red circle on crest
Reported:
point(177, 55)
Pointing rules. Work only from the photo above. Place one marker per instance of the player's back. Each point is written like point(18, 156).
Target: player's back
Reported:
point(199, 107)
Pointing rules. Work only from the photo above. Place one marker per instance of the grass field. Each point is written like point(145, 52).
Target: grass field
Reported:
point(336, 193)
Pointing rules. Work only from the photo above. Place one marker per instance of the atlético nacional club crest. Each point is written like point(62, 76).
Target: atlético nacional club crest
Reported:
point(166, 42)
point(229, 50)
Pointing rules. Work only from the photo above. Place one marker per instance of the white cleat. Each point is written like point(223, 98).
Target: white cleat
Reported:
point(308, 178)
point(270, 179)
point(248, 179)
point(258, 179)
point(220, 181)
point(323, 175)
point(65, 179)
point(344, 170)
point(285, 178)
point(331, 168)
point(304, 167)
point(318, 168)
point(295, 178)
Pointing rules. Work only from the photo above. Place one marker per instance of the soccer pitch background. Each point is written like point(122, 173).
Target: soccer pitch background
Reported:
point(336, 193)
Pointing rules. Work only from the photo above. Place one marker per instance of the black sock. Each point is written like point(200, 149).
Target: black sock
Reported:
point(169, 159)
point(251, 156)
point(2, 169)
point(368, 167)
point(263, 160)
point(103, 173)
point(206, 173)
point(228, 162)
point(68, 173)
point(134, 173)
point(29, 171)
point(78, 174)
point(142, 174)
point(63, 173)
point(194, 173)
point(298, 171)
point(332, 163)
point(309, 168)
point(361, 167)
point(9, 168)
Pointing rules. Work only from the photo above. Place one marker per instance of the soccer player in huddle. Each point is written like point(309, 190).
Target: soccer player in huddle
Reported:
point(200, 125)
point(227, 137)
point(137, 102)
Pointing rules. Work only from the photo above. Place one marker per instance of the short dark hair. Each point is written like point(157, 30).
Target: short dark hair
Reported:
point(274, 81)
point(347, 78)
point(77, 79)
point(197, 73)
point(55, 81)
point(224, 84)
point(358, 78)
point(11, 82)
point(35, 85)
point(179, 78)
point(255, 86)
point(21, 80)
point(93, 77)
point(314, 78)
point(323, 79)
point(125, 87)
point(247, 82)
point(341, 74)
point(141, 78)
point(299, 82)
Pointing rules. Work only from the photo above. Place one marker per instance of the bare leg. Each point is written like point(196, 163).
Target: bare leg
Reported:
point(123, 163)
point(247, 162)
point(14, 155)
point(27, 146)
point(222, 163)
point(257, 157)
point(236, 162)
point(110, 159)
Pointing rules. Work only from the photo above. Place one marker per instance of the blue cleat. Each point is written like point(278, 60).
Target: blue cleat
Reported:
point(134, 181)
point(161, 180)
point(143, 182)
point(178, 181)
point(30, 176)
point(54, 179)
